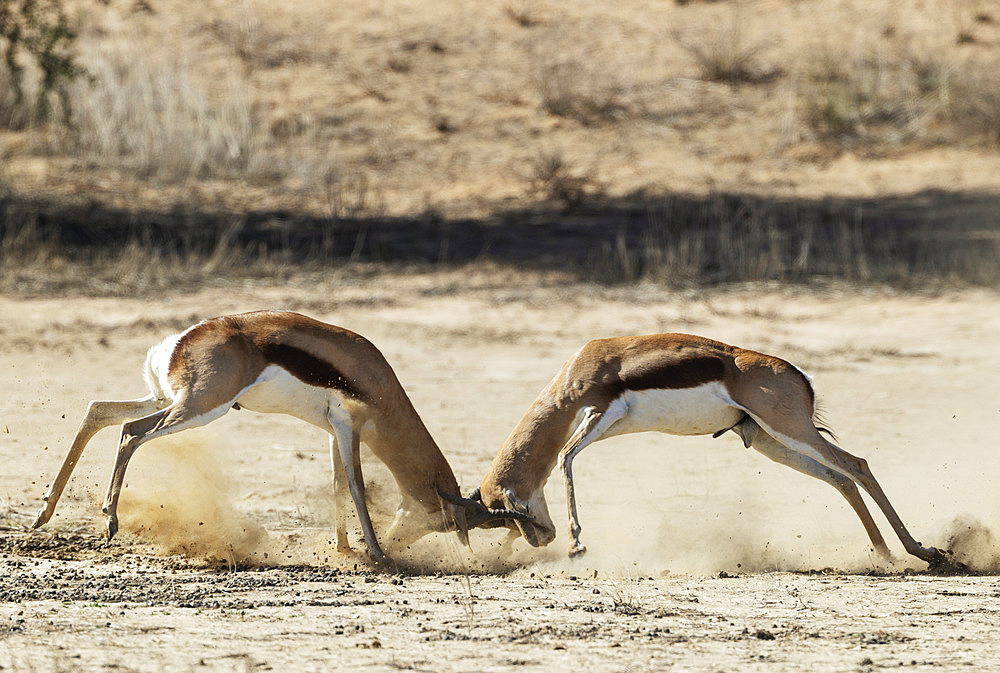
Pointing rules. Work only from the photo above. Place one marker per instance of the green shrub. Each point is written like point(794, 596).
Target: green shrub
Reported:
point(36, 34)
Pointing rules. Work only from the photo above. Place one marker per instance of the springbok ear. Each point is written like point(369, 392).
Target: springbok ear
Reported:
point(514, 504)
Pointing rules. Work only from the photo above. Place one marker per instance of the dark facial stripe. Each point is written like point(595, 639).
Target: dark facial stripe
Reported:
point(310, 369)
point(685, 373)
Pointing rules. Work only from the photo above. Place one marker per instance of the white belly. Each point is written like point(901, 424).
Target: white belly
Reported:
point(278, 392)
point(701, 410)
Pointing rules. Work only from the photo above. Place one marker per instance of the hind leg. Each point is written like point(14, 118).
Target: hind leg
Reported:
point(99, 416)
point(181, 415)
point(803, 438)
point(859, 471)
point(780, 453)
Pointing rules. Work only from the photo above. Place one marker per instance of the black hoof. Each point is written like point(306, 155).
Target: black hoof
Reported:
point(378, 557)
point(40, 519)
point(944, 563)
point(112, 528)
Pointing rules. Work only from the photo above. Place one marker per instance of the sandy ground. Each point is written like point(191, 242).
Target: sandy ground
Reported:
point(703, 555)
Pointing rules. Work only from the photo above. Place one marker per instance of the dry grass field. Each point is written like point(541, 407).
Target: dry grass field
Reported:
point(408, 107)
point(479, 188)
point(682, 143)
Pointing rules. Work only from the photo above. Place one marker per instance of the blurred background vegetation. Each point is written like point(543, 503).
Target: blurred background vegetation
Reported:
point(151, 144)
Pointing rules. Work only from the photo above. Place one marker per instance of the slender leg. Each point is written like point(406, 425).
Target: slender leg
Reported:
point(507, 543)
point(99, 415)
point(348, 444)
point(859, 471)
point(803, 437)
point(593, 425)
point(340, 493)
point(181, 415)
point(404, 529)
point(780, 453)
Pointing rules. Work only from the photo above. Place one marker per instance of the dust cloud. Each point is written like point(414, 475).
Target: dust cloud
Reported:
point(742, 519)
point(973, 543)
point(652, 506)
point(180, 499)
point(630, 540)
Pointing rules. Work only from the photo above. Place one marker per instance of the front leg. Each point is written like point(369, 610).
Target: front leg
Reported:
point(340, 494)
point(507, 543)
point(593, 425)
point(349, 447)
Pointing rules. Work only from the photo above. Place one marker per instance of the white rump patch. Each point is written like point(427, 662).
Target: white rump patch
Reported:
point(701, 410)
point(157, 366)
point(809, 379)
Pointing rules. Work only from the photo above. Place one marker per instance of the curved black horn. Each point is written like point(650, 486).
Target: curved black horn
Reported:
point(478, 514)
point(454, 499)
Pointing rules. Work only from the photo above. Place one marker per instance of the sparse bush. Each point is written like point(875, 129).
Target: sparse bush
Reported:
point(35, 34)
point(553, 179)
point(573, 89)
point(914, 96)
point(723, 55)
point(256, 46)
point(973, 102)
point(867, 98)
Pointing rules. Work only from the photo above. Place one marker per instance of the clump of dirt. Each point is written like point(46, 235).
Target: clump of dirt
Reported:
point(59, 545)
point(973, 544)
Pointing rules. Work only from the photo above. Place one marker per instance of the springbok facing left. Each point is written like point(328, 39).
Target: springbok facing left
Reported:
point(281, 362)
point(677, 384)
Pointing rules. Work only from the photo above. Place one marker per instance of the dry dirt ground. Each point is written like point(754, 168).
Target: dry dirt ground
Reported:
point(703, 555)
point(405, 107)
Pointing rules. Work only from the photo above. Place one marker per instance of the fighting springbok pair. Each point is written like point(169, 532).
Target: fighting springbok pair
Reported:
point(281, 362)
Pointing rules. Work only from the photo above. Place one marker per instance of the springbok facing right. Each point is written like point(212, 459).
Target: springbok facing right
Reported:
point(677, 384)
point(281, 362)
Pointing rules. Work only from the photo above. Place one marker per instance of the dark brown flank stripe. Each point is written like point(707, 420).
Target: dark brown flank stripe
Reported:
point(309, 369)
point(686, 373)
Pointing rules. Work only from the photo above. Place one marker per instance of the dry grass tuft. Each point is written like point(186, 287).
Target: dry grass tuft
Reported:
point(523, 13)
point(156, 116)
point(723, 55)
point(573, 89)
point(732, 239)
point(553, 179)
point(883, 97)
